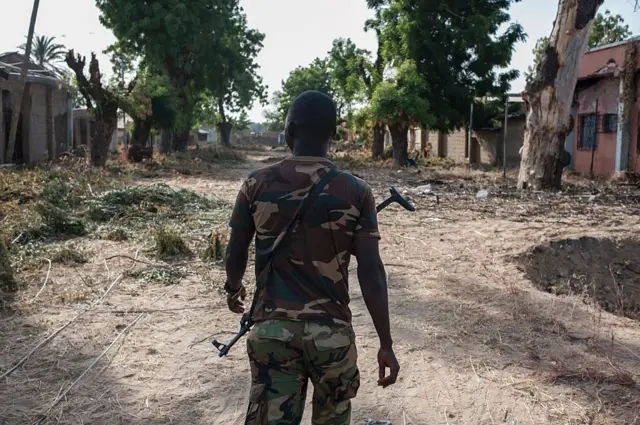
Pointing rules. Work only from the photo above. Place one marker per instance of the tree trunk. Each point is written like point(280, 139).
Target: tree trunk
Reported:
point(224, 126)
point(106, 124)
point(400, 141)
point(141, 132)
point(165, 142)
point(17, 106)
point(180, 141)
point(377, 149)
point(548, 97)
point(225, 133)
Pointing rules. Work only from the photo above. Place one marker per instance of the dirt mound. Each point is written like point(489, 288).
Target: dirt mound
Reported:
point(604, 270)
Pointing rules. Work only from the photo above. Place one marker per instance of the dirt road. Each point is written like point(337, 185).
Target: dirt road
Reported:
point(477, 341)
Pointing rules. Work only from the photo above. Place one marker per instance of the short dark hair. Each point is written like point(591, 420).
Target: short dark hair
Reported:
point(314, 116)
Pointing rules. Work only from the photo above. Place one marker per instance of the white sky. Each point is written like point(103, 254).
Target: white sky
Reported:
point(297, 31)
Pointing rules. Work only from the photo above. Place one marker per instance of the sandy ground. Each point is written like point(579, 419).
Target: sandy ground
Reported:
point(478, 341)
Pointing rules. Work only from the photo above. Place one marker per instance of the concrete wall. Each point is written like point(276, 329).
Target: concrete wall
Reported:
point(455, 145)
point(634, 156)
point(44, 120)
point(597, 58)
point(488, 145)
point(244, 137)
point(515, 140)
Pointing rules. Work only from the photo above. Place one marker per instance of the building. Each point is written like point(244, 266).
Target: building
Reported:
point(44, 126)
point(487, 143)
point(604, 139)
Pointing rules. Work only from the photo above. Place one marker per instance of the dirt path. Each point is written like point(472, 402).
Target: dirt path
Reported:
point(477, 342)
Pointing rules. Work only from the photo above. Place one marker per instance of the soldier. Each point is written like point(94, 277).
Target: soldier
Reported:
point(302, 318)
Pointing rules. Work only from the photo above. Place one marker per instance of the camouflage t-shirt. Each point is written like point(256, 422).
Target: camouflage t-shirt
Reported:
point(309, 278)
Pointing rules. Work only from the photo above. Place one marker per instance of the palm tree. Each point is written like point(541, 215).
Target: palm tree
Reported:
point(47, 53)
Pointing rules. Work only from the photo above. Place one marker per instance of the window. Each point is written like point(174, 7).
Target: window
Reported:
point(587, 129)
point(610, 123)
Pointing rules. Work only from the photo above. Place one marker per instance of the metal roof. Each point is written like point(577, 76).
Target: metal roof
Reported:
point(616, 44)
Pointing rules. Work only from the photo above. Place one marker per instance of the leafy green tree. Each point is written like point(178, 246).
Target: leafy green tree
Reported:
point(372, 72)
point(186, 41)
point(316, 76)
point(235, 80)
point(344, 62)
point(399, 104)
point(457, 46)
point(48, 54)
point(273, 117)
point(149, 104)
point(123, 64)
point(538, 53)
point(77, 99)
point(242, 122)
point(608, 28)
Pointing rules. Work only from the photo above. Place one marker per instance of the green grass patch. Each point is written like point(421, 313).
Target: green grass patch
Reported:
point(169, 244)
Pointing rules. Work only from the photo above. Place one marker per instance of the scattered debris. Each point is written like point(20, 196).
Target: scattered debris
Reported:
point(215, 250)
point(162, 275)
point(482, 194)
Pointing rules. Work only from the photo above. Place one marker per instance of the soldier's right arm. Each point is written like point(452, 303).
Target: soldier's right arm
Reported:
point(373, 283)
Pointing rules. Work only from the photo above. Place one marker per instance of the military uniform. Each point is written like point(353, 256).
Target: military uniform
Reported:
point(303, 321)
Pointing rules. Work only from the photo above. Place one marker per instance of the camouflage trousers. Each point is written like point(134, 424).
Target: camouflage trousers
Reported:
point(284, 356)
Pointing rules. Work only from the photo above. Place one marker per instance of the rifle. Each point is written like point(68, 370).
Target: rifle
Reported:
point(246, 322)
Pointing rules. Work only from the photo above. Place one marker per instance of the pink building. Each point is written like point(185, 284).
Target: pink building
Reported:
point(603, 140)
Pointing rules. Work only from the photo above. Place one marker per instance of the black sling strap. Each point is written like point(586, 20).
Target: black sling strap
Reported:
point(306, 203)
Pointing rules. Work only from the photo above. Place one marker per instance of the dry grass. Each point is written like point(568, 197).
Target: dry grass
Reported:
point(478, 341)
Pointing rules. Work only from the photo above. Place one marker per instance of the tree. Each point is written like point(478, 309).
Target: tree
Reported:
point(399, 104)
point(316, 76)
point(47, 53)
point(273, 117)
point(607, 29)
point(149, 104)
point(122, 64)
point(101, 102)
point(187, 41)
point(548, 97)
point(344, 63)
point(77, 99)
point(371, 73)
point(458, 47)
point(242, 122)
point(538, 53)
point(235, 80)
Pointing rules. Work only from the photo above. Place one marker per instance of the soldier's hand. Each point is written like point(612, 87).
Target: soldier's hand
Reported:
point(387, 360)
point(235, 301)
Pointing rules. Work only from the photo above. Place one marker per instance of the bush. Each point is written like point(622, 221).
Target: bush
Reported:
point(7, 282)
point(58, 221)
point(139, 201)
point(116, 235)
point(69, 256)
point(169, 244)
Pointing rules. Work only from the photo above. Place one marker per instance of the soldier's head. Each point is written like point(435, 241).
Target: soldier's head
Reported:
point(311, 123)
